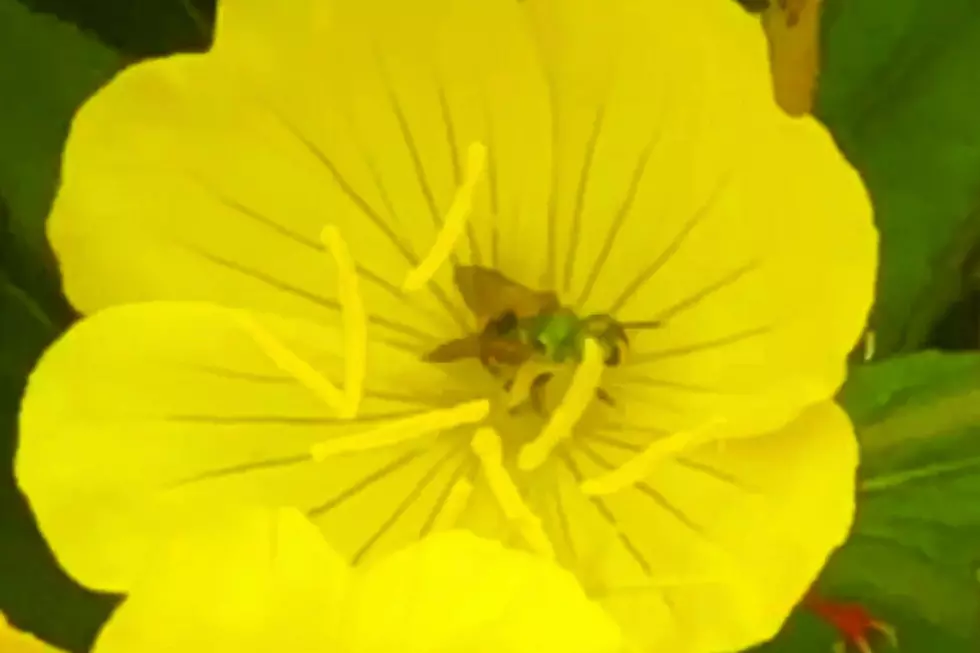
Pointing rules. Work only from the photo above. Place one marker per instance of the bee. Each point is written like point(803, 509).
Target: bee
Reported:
point(516, 324)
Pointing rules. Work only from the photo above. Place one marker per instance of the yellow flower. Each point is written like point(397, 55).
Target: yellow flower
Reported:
point(283, 214)
point(266, 581)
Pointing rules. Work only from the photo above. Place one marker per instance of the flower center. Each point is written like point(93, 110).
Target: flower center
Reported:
point(507, 441)
point(581, 391)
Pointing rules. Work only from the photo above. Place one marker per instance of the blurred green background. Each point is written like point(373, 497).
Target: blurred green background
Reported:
point(900, 90)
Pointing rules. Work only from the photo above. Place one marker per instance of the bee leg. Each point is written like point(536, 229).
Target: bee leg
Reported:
point(604, 397)
point(537, 393)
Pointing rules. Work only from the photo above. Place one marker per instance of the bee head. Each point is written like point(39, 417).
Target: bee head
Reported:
point(611, 335)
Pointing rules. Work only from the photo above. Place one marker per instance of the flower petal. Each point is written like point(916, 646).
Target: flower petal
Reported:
point(460, 593)
point(257, 581)
point(266, 581)
point(210, 176)
point(685, 195)
point(143, 417)
point(721, 541)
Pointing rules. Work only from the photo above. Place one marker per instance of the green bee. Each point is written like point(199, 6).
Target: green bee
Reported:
point(517, 324)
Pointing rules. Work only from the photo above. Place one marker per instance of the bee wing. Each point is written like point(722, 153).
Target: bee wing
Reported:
point(455, 350)
point(500, 350)
point(489, 294)
point(506, 352)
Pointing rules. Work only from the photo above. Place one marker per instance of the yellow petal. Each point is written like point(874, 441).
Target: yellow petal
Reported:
point(454, 592)
point(250, 582)
point(686, 195)
point(210, 177)
point(144, 416)
point(261, 581)
point(721, 541)
point(14, 641)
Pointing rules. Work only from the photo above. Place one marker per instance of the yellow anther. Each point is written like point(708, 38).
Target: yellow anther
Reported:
point(641, 466)
point(454, 223)
point(292, 364)
point(354, 319)
point(581, 391)
point(403, 430)
point(456, 502)
point(487, 447)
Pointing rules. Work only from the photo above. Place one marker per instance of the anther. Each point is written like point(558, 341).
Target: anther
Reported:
point(488, 448)
point(641, 466)
point(454, 223)
point(403, 430)
point(290, 363)
point(580, 392)
point(354, 320)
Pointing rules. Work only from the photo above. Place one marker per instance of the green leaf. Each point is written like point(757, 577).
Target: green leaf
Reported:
point(35, 594)
point(138, 29)
point(900, 90)
point(47, 69)
point(914, 555)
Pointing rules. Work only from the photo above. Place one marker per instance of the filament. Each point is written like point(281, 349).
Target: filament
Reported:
point(582, 390)
point(354, 320)
point(487, 446)
point(403, 430)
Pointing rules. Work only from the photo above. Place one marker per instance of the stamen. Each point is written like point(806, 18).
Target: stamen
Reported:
point(581, 391)
point(354, 319)
point(640, 467)
point(295, 366)
point(454, 224)
point(488, 448)
point(452, 510)
point(403, 430)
